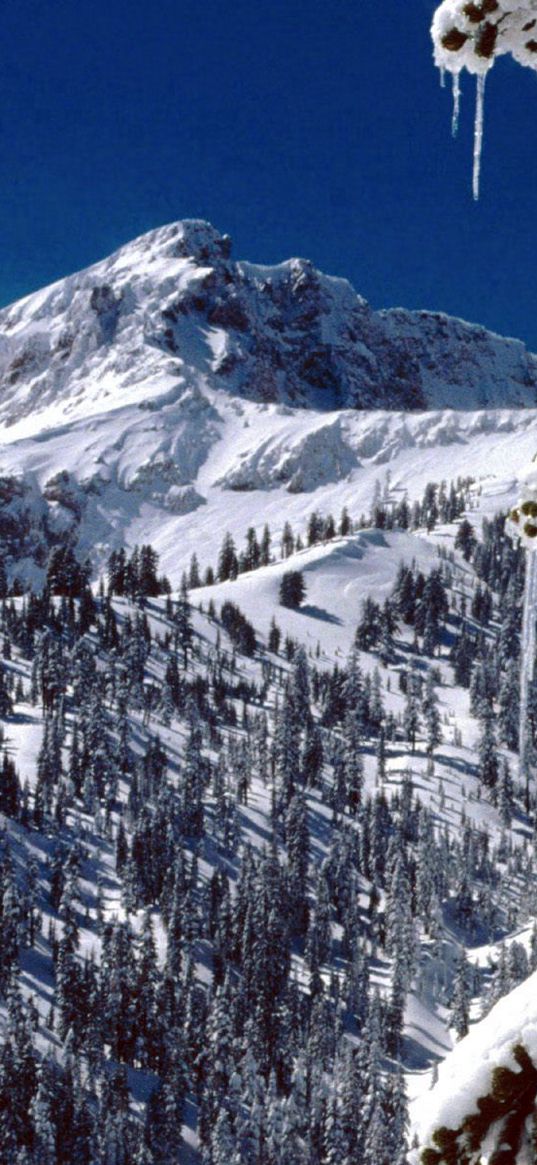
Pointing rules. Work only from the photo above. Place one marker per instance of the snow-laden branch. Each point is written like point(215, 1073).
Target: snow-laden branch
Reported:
point(524, 514)
point(470, 35)
point(483, 1106)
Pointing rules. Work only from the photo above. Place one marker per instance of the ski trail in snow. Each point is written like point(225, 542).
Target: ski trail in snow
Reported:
point(527, 656)
point(478, 133)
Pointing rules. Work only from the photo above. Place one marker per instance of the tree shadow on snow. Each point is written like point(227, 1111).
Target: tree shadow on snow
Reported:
point(319, 613)
point(417, 1056)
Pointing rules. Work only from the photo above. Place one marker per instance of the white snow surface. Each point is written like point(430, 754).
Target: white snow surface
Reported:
point(338, 577)
point(465, 1075)
point(181, 475)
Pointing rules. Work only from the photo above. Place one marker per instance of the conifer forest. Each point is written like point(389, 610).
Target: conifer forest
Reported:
point(238, 871)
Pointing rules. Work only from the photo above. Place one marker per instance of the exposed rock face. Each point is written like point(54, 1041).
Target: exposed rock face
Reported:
point(171, 310)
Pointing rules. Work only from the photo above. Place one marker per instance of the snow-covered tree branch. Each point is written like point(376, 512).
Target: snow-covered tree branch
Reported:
point(483, 1106)
point(469, 35)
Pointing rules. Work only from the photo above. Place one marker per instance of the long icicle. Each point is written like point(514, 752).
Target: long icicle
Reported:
point(456, 83)
point(527, 661)
point(478, 132)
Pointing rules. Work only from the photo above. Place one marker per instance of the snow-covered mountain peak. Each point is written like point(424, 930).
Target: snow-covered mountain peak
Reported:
point(192, 239)
point(172, 310)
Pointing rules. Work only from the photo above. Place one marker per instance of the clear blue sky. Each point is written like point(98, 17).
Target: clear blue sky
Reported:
point(311, 128)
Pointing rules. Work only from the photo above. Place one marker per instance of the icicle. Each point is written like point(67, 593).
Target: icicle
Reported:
point(527, 665)
point(456, 80)
point(442, 77)
point(478, 132)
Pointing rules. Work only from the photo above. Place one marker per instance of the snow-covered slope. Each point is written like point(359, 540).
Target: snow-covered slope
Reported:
point(171, 311)
point(181, 475)
point(338, 575)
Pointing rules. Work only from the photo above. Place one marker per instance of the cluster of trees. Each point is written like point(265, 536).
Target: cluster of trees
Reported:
point(258, 552)
point(485, 652)
point(65, 575)
point(231, 563)
point(244, 1050)
point(416, 601)
point(136, 576)
point(437, 505)
point(238, 627)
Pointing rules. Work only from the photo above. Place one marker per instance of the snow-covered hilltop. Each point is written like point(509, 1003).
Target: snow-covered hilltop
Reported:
point(172, 310)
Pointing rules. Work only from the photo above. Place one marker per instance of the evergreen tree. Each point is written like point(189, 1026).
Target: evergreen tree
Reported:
point(431, 715)
point(264, 548)
point(345, 525)
point(42, 1115)
point(297, 843)
point(288, 542)
point(509, 706)
point(228, 565)
point(488, 767)
point(292, 589)
point(368, 631)
point(183, 625)
point(193, 784)
point(275, 637)
point(194, 577)
point(465, 539)
point(460, 1008)
point(387, 642)
point(411, 716)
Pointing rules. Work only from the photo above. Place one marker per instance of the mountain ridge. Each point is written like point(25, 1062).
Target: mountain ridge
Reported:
point(171, 310)
point(108, 437)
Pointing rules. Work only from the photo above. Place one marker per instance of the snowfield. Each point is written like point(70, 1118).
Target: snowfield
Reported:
point(338, 577)
point(182, 475)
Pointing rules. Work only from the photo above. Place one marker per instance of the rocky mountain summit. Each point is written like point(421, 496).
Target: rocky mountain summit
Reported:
point(173, 310)
point(169, 389)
